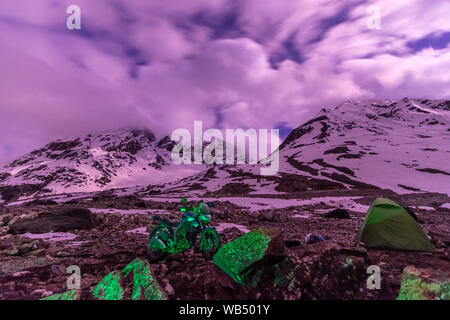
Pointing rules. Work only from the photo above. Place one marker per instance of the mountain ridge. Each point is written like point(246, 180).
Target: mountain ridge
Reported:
point(390, 144)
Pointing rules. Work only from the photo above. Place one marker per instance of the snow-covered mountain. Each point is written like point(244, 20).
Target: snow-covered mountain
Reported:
point(399, 145)
point(403, 146)
point(118, 158)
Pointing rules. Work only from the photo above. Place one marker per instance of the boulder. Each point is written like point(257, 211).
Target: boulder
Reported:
point(317, 271)
point(145, 286)
point(323, 271)
point(62, 221)
point(338, 214)
point(12, 252)
point(6, 218)
point(246, 258)
point(281, 216)
point(134, 282)
point(110, 287)
point(266, 215)
point(69, 295)
point(424, 284)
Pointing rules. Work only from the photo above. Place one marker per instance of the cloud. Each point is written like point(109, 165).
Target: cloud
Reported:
point(230, 63)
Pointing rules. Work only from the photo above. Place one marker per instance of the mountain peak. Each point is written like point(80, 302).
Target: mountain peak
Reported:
point(395, 144)
point(112, 159)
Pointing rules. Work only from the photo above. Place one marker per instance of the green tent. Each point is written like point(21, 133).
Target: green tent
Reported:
point(389, 226)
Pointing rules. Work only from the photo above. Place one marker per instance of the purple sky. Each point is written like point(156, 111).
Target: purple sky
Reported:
point(231, 63)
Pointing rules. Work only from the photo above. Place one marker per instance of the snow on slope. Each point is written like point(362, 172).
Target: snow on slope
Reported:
point(399, 145)
point(119, 158)
point(402, 146)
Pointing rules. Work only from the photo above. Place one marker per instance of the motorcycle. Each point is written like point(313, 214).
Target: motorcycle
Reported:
point(171, 238)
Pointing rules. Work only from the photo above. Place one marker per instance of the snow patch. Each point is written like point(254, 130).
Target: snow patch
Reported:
point(129, 211)
point(51, 236)
point(141, 231)
point(20, 274)
point(76, 243)
point(426, 208)
point(223, 226)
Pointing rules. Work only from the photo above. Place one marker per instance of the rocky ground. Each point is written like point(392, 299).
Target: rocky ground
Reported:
point(114, 232)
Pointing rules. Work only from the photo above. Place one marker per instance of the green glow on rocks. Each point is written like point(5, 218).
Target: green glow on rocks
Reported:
point(235, 257)
point(284, 273)
point(145, 286)
point(109, 288)
point(69, 295)
point(348, 263)
point(253, 278)
point(135, 282)
point(424, 284)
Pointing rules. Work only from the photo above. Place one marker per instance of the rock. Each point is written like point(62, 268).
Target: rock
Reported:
point(145, 285)
point(26, 248)
point(5, 237)
point(338, 214)
point(424, 284)
point(163, 268)
point(62, 254)
point(110, 288)
point(62, 221)
point(313, 238)
point(58, 269)
point(169, 289)
point(355, 251)
point(134, 282)
point(243, 259)
point(266, 215)
point(439, 244)
point(292, 243)
point(6, 219)
point(38, 253)
point(322, 272)
point(141, 204)
point(41, 202)
point(116, 215)
point(213, 282)
point(280, 216)
point(318, 271)
point(30, 216)
point(41, 293)
point(69, 295)
point(12, 252)
point(13, 220)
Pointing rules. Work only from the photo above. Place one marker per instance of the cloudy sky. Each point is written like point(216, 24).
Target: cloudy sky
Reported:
point(231, 63)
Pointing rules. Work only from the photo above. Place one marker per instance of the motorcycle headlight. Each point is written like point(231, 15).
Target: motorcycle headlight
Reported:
point(204, 219)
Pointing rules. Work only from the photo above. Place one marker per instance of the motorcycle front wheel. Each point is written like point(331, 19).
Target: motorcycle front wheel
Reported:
point(156, 249)
point(211, 244)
